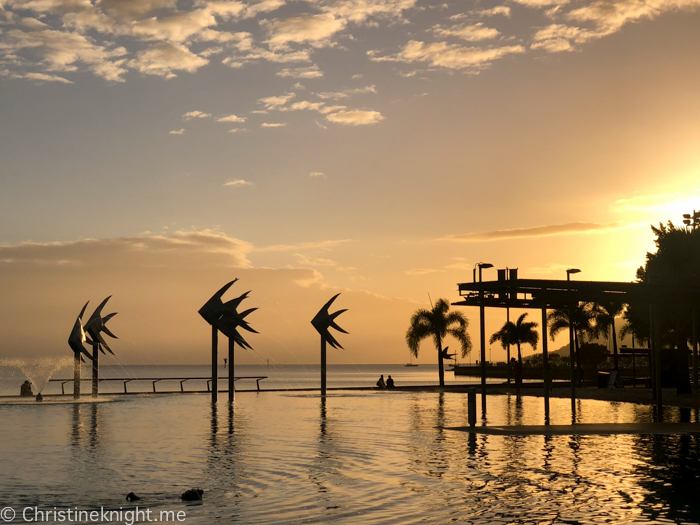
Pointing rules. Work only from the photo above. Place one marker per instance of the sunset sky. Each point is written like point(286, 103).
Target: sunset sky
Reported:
point(155, 149)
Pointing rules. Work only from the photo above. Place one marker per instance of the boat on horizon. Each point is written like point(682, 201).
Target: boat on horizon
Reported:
point(410, 362)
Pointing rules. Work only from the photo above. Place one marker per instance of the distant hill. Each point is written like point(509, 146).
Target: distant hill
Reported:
point(563, 351)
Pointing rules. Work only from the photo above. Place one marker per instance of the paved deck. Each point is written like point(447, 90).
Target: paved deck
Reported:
point(590, 429)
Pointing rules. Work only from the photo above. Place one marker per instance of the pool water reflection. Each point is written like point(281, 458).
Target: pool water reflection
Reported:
point(358, 457)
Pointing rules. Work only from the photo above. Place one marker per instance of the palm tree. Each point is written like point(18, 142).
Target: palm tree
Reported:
point(559, 320)
point(605, 314)
point(518, 333)
point(438, 323)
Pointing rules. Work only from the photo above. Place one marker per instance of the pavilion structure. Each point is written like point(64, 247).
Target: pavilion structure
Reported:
point(547, 294)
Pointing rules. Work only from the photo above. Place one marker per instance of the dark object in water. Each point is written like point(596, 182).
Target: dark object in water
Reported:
point(39, 397)
point(132, 497)
point(26, 389)
point(192, 495)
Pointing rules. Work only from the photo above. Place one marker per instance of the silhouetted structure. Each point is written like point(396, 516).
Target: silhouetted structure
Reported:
point(75, 341)
point(93, 330)
point(225, 317)
point(322, 321)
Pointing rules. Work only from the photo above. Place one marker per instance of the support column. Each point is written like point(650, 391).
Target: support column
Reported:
point(657, 367)
point(95, 369)
point(231, 382)
point(483, 353)
point(76, 375)
point(323, 366)
point(572, 358)
point(508, 343)
point(214, 363)
point(545, 365)
point(695, 351)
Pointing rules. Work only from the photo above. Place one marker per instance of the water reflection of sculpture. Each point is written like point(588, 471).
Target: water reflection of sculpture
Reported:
point(91, 333)
point(224, 317)
point(322, 321)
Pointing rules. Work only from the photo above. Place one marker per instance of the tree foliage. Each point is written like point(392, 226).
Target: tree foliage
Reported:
point(519, 333)
point(438, 323)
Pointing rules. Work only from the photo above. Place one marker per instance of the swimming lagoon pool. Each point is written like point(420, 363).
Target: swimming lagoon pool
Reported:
point(358, 457)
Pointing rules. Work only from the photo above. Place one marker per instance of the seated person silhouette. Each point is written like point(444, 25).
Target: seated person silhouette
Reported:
point(26, 389)
point(389, 382)
point(380, 382)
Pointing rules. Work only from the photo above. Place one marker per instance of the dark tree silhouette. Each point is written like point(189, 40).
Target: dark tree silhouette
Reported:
point(604, 315)
point(438, 323)
point(583, 325)
point(518, 333)
point(675, 262)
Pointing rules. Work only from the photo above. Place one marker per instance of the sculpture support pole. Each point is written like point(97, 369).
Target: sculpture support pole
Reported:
point(323, 366)
point(95, 369)
point(545, 364)
point(214, 363)
point(231, 386)
point(76, 375)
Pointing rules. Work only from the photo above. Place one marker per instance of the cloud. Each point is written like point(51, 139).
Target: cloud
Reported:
point(316, 174)
point(325, 245)
point(231, 118)
point(195, 114)
point(276, 101)
point(538, 231)
point(62, 51)
point(450, 56)
point(301, 72)
point(238, 183)
point(178, 131)
point(498, 10)
point(236, 130)
point(315, 29)
point(337, 95)
point(358, 11)
point(134, 9)
point(541, 3)
point(273, 124)
point(164, 58)
point(470, 33)
point(420, 271)
point(43, 77)
point(559, 37)
point(355, 117)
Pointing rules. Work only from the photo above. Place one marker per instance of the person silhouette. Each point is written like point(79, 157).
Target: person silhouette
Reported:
point(26, 389)
point(380, 382)
point(389, 382)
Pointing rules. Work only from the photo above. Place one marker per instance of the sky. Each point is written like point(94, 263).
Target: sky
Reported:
point(154, 150)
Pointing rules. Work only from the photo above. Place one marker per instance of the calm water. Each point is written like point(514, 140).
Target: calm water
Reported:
point(360, 457)
point(278, 376)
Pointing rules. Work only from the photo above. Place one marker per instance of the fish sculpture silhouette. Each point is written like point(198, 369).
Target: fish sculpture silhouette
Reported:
point(225, 318)
point(322, 321)
point(77, 337)
point(96, 325)
point(445, 355)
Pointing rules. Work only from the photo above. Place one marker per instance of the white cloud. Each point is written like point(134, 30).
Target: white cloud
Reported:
point(236, 130)
point(498, 10)
point(164, 58)
point(420, 271)
point(238, 183)
point(537, 231)
point(43, 77)
point(195, 114)
point(276, 101)
point(316, 174)
point(178, 131)
point(470, 33)
point(450, 56)
point(315, 29)
point(560, 37)
point(360, 10)
point(301, 72)
point(231, 118)
point(273, 124)
point(355, 117)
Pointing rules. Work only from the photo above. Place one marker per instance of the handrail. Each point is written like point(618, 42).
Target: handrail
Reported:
point(155, 380)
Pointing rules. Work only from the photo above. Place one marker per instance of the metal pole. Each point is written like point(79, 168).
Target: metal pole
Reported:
point(572, 356)
point(95, 369)
point(695, 351)
point(323, 366)
point(231, 383)
point(483, 348)
point(508, 341)
point(545, 364)
point(76, 375)
point(652, 353)
point(658, 361)
point(214, 363)
point(471, 406)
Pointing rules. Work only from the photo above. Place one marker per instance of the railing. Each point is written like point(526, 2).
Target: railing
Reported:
point(155, 380)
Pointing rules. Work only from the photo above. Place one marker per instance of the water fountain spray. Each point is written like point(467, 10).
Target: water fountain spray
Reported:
point(322, 322)
point(224, 317)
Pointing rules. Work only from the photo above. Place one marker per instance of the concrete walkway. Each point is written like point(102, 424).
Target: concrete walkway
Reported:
point(591, 429)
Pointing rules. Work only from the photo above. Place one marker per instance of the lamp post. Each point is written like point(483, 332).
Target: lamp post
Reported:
point(482, 329)
point(572, 352)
